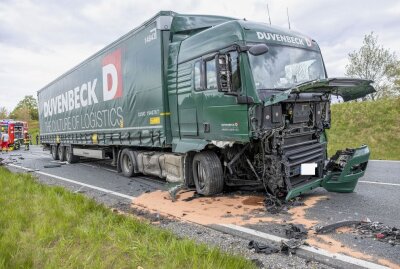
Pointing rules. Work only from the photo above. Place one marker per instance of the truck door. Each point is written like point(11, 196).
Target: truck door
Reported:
point(189, 98)
point(211, 110)
point(225, 118)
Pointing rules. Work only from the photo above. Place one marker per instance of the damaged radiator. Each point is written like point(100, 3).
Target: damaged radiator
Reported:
point(298, 149)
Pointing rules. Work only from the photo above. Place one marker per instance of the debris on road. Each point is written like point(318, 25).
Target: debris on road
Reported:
point(296, 231)
point(9, 159)
point(274, 205)
point(290, 246)
point(262, 248)
point(332, 227)
point(175, 190)
point(380, 231)
point(286, 247)
point(367, 229)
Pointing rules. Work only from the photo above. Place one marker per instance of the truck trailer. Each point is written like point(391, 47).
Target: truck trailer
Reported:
point(208, 101)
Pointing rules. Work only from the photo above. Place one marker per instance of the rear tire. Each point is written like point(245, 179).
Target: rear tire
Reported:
point(69, 156)
point(54, 152)
point(207, 173)
point(127, 162)
point(61, 153)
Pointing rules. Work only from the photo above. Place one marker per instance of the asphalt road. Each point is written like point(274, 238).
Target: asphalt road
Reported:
point(376, 197)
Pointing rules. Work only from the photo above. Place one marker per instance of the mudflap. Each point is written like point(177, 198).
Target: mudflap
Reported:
point(345, 168)
point(342, 172)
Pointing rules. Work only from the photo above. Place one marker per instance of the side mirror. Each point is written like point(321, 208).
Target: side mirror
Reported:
point(258, 49)
point(224, 74)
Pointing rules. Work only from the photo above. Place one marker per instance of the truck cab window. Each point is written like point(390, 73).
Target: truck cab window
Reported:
point(197, 77)
point(234, 61)
point(211, 75)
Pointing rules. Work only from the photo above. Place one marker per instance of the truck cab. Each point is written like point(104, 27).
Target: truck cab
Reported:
point(256, 98)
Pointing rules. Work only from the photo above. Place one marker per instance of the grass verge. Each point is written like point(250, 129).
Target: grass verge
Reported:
point(50, 227)
point(375, 123)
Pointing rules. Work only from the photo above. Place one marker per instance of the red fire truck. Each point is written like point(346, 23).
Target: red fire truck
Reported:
point(17, 131)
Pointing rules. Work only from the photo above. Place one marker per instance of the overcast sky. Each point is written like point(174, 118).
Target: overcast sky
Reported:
point(40, 40)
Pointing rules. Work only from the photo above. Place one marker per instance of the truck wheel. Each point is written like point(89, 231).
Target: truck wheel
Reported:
point(207, 173)
point(61, 153)
point(54, 152)
point(69, 156)
point(127, 162)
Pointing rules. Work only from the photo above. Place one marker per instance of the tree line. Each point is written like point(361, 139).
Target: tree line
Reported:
point(25, 110)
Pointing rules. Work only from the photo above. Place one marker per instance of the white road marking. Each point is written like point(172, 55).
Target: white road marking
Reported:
point(75, 182)
point(334, 256)
point(389, 161)
point(380, 183)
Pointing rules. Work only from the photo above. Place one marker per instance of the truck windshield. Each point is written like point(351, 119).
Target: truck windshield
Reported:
point(283, 67)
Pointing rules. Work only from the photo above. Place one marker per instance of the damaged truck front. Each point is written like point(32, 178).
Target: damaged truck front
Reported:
point(273, 134)
point(209, 101)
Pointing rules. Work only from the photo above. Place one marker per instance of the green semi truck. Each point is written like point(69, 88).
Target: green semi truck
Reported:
point(209, 101)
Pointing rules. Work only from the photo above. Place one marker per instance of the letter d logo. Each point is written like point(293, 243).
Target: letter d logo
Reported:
point(112, 76)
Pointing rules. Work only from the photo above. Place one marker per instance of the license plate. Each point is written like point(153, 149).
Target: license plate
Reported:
point(308, 169)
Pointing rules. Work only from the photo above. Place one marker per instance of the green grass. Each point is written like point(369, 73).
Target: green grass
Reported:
point(50, 227)
point(375, 123)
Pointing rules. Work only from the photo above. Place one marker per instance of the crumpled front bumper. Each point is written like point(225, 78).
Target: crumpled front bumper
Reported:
point(342, 172)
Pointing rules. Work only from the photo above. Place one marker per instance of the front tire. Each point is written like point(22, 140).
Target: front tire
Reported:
point(207, 173)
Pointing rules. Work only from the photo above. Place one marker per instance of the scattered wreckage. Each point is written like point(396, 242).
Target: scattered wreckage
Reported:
point(296, 235)
point(366, 228)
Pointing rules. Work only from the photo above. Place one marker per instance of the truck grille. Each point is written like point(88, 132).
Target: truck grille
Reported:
point(302, 149)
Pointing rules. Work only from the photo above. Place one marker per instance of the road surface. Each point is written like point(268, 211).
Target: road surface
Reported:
point(376, 197)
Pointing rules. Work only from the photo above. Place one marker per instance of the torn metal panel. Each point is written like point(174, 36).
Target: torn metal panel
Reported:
point(332, 227)
point(347, 88)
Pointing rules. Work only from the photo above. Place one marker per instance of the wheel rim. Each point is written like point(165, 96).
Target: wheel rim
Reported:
point(127, 163)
